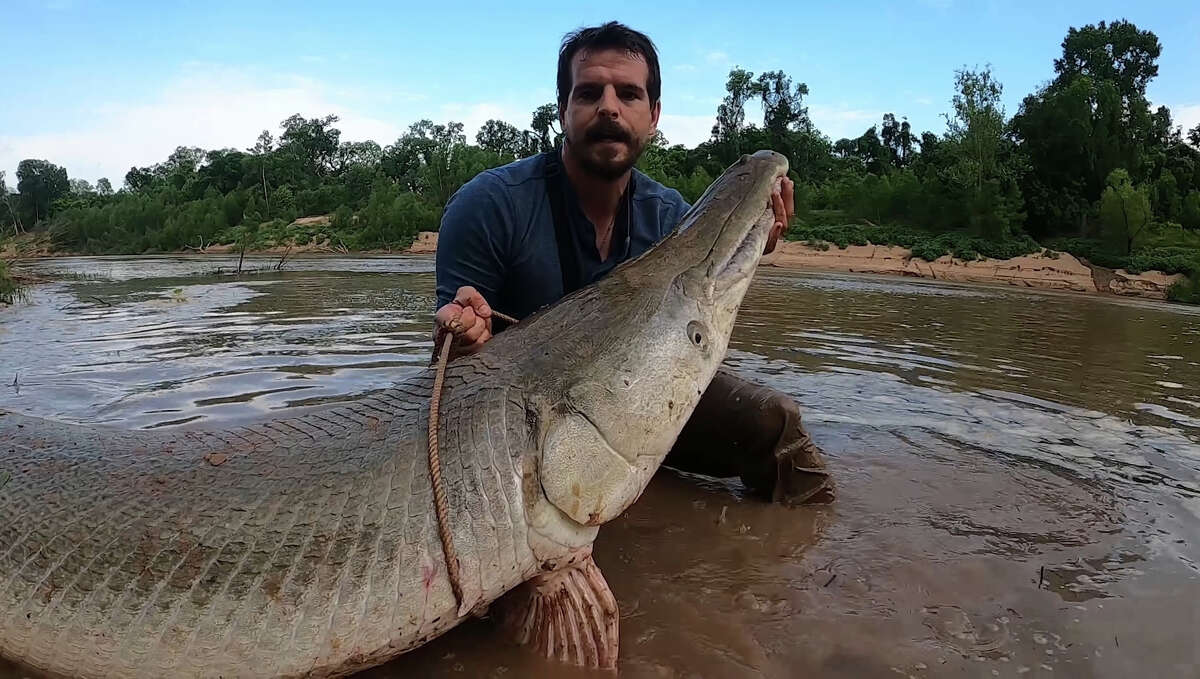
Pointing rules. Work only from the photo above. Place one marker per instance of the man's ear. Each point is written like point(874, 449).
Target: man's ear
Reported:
point(654, 115)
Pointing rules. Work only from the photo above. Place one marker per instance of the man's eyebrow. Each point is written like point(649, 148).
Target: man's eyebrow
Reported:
point(625, 84)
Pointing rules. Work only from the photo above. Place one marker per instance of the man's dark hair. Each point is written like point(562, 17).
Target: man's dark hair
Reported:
point(612, 35)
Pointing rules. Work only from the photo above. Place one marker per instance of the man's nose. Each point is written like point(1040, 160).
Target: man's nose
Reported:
point(610, 102)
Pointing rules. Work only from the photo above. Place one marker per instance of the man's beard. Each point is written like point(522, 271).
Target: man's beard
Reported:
point(601, 168)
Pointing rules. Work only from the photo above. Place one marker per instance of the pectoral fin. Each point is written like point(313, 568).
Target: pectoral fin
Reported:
point(569, 615)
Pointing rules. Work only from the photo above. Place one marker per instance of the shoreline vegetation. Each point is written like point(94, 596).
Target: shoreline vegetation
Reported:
point(844, 248)
point(1086, 178)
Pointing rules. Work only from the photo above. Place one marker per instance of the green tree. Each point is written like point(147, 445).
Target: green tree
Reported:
point(10, 217)
point(283, 204)
point(545, 117)
point(1124, 212)
point(898, 139)
point(1120, 53)
point(104, 187)
point(731, 114)
point(1190, 212)
point(1090, 120)
point(40, 183)
point(501, 138)
point(313, 143)
point(983, 167)
point(783, 103)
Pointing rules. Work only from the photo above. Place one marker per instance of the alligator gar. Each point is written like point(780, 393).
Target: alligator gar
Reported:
point(308, 546)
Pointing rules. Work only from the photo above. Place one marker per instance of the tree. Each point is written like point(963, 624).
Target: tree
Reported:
point(501, 138)
point(353, 154)
point(1090, 120)
point(545, 117)
point(104, 187)
point(783, 104)
point(981, 165)
point(40, 183)
point(1190, 213)
point(312, 142)
point(1124, 212)
point(867, 151)
point(1119, 53)
point(1193, 136)
point(13, 215)
point(731, 114)
point(897, 139)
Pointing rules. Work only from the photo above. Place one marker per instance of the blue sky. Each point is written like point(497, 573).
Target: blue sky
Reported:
point(99, 87)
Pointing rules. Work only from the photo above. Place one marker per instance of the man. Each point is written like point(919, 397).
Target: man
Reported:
point(521, 236)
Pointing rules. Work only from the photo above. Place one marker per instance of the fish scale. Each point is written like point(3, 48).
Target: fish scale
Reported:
point(309, 546)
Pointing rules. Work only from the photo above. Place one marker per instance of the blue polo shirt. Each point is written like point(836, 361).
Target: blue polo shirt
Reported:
point(497, 234)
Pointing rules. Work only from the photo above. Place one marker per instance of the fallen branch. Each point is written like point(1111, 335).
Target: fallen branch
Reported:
point(282, 259)
point(98, 300)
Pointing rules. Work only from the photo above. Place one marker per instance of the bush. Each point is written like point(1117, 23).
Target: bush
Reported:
point(8, 287)
point(392, 219)
point(927, 246)
point(1186, 291)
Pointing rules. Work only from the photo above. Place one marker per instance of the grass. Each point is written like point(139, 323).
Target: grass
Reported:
point(925, 245)
point(10, 290)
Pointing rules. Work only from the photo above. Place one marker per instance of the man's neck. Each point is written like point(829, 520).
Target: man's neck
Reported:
point(599, 199)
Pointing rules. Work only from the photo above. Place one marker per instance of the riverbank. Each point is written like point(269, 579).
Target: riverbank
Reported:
point(1049, 270)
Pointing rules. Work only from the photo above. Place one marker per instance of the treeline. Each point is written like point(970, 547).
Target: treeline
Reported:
point(1085, 165)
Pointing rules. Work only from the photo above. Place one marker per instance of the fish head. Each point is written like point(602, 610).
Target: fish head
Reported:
point(615, 370)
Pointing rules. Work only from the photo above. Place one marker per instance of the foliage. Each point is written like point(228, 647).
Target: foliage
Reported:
point(8, 287)
point(1085, 165)
point(923, 244)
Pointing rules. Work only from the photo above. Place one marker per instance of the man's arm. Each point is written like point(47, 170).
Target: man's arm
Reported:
point(469, 264)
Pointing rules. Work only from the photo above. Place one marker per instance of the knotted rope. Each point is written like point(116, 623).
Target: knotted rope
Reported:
point(435, 467)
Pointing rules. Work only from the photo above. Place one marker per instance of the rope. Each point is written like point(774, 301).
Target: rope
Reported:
point(435, 466)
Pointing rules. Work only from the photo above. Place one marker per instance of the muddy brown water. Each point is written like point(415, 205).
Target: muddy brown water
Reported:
point(1018, 472)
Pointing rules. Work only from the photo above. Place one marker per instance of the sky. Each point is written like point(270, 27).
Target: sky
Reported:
point(99, 87)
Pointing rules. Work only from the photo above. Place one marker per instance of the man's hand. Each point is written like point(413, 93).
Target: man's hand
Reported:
point(783, 201)
point(468, 317)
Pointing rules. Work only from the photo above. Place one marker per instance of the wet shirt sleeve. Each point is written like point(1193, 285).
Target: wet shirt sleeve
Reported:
point(476, 227)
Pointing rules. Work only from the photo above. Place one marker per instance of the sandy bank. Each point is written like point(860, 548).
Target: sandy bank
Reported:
point(1060, 271)
point(1054, 272)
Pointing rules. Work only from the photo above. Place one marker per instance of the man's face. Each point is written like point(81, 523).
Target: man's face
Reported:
point(608, 118)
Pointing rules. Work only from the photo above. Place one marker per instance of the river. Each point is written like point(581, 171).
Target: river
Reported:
point(1018, 472)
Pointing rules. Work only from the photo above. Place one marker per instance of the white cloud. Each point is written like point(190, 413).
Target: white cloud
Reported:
point(1187, 116)
point(473, 116)
point(717, 57)
point(924, 101)
point(685, 67)
point(686, 130)
point(841, 121)
point(206, 106)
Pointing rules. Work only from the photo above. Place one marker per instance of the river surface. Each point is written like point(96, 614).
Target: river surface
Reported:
point(1018, 472)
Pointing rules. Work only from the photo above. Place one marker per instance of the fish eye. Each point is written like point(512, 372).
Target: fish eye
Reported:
point(697, 333)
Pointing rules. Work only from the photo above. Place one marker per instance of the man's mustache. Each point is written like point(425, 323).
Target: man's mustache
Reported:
point(608, 131)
